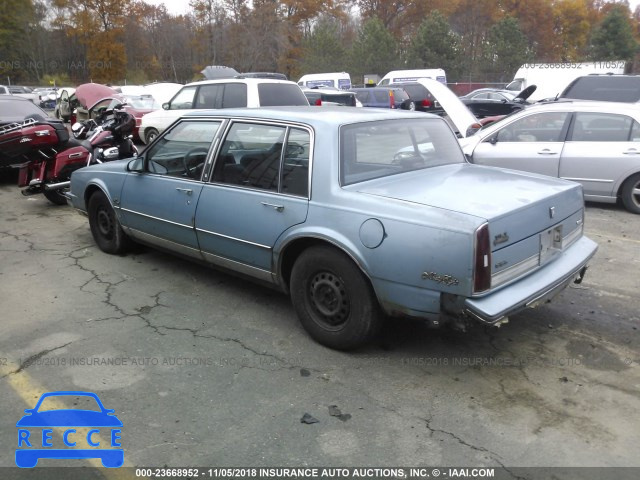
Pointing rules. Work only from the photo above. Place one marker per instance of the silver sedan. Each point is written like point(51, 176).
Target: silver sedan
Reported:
point(594, 143)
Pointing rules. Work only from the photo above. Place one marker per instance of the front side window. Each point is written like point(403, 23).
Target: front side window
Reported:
point(183, 99)
point(540, 127)
point(182, 152)
point(602, 127)
point(379, 149)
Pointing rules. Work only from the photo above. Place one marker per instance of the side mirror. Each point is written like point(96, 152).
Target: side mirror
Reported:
point(165, 106)
point(136, 165)
point(493, 139)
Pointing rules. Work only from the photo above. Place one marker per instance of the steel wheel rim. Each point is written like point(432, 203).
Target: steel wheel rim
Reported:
point(329, 300)
point(105, 223)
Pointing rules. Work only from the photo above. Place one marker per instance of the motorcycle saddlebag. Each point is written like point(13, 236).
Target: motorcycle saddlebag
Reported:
point(21, 141)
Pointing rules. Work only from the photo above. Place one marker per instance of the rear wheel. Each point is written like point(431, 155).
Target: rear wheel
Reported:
point(631, 193)
point(105, 227)
point(333, 299)
point(150, 135)
point(55, 196)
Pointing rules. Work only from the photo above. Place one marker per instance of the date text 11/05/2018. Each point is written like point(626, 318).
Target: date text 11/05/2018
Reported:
point(574, 65)
point(315, 472)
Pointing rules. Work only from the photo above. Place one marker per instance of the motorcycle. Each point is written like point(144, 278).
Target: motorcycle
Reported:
point(52, 155)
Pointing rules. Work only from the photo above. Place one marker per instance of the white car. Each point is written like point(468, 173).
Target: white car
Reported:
point(224, 93)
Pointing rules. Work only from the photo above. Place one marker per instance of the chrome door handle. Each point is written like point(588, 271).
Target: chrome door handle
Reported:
point(278, 208)
point(188, 191)
point(546, 151)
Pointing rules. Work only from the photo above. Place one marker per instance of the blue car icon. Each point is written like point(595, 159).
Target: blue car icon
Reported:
point(32, 447)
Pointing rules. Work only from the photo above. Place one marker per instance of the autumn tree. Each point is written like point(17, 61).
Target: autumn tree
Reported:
point(571, 28)
point(613, 38)
point(435, 45)
point(374, 50)
point(472, 20)
point(15, 17)
point(324, 48)
point(100, 25)
point(507, 48)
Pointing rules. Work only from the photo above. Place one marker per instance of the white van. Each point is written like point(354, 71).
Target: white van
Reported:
point(398, 76)
point(552, 78)
point(341, 80)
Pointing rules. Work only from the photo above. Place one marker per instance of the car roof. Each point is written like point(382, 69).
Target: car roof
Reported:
point(591, 105)
point(248, 80)
point(11, 98)
point(309, 114)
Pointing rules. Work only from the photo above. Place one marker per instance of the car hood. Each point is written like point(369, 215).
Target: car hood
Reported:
point(90, 93)
point(457, 111)
point(526, 93)
point(484, 192)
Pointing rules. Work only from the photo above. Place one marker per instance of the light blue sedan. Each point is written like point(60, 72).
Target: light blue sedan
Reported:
point(358, 215)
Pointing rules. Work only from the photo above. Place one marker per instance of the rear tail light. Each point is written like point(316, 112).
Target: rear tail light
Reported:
point(426, 103)
point(482, 260)
point(391, 100)
point(318, 103)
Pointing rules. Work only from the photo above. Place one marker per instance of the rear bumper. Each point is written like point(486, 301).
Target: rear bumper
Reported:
point(534, 289)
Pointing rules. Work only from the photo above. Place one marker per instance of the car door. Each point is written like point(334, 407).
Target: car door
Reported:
point(601, 148)
point(532, 143)
point(63, 108)
point(158, 203)
point(259, 189)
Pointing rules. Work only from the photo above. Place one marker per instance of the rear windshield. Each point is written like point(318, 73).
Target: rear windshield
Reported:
point(280, 94)
point(607, 88)
point(339, 98)
point(417, 92)
point(379, 149)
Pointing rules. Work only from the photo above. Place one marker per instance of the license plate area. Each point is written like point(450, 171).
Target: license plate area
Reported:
point(550, 244)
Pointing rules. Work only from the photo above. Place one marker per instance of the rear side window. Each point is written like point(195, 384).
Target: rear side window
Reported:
point(381, 96)
point(602, 127)
point(209, 96)
point(235, 95)
point(265, 157)
point(280, 94)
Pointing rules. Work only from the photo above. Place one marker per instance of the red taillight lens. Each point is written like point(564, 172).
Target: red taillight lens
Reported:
point(318, 103)
point(482, 260)
point(426, 103)
point(391, 100)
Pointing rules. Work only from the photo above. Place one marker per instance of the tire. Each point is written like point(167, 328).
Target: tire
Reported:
point(333, 299)
point(105, 227)
point(55, 196)
point(631, 193)
point(150, 135)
